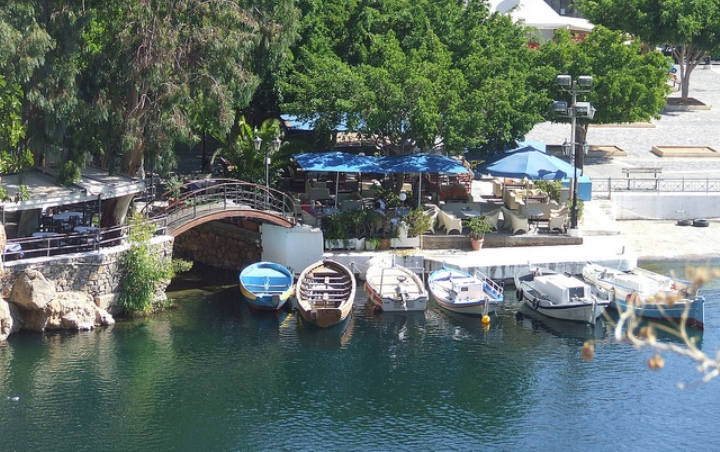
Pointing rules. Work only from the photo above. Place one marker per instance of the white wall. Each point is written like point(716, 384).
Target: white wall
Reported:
point(295, 248)
point(666, 206)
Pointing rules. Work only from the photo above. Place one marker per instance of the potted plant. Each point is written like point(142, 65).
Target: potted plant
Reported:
point(478, 227)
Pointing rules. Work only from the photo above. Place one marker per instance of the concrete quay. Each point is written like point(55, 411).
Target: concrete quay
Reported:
point(504, 263)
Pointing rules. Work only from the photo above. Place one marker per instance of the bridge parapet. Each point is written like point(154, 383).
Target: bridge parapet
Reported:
point(218, 198)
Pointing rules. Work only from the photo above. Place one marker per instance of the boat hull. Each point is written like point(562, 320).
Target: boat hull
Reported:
point(492, 295)
point(603, 278)
point(388, 304)
point(264, 303)
point(581, 312)
point(326, 317)
point(696, 311)
point(325, 293)
point(585, 308)
point(266, 286)
point(478, 308)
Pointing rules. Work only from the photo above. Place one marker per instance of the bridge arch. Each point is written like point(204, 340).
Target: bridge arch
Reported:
point(201, 201)
point(231, 213)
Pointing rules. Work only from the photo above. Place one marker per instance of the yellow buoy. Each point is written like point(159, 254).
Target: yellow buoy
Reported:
point(486, 319)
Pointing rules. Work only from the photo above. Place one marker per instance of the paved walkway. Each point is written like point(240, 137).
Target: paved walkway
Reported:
point(698, 128)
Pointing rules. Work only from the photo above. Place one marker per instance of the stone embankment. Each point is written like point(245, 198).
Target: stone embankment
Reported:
point(74, 292)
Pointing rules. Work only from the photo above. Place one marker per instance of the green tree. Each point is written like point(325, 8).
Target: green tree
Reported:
point(628, 85)
point(413, 74)
point(40, 53)
point(692, 28)
point(245, 162)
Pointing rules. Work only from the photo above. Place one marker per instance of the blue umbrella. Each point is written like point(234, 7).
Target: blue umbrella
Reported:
point(338, 162)
point(529, 163)
point(421, 163)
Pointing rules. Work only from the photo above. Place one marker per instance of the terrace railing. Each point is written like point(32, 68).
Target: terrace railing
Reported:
point(651, 184)
point(76, 242)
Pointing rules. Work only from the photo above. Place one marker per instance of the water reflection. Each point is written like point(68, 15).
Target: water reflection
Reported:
point(527, 318)
point(213, 372)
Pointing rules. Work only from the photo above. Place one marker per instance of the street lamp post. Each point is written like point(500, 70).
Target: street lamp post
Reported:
point(582, 110)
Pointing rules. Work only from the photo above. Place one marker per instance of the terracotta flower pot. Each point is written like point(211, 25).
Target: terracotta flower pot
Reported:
point(476, 244)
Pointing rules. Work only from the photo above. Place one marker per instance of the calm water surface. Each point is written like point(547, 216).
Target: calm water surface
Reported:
point(212, 375)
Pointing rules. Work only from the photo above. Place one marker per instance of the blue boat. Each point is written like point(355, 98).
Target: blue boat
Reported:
point(266, 285)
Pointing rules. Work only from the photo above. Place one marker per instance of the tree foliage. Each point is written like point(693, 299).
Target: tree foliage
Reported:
point(414, 74)
point(244, 162)
point(628, 85)
point(691, 28)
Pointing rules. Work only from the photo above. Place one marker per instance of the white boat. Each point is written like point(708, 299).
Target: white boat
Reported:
point(395, 288)
point(559, 296)
point(459, 291)
point(652, 291)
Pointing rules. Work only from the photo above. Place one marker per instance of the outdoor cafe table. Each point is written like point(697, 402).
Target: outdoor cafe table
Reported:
point(65, 216)
point(86, 229)
point(13, 249)
point(46, 234)
point(468, 213)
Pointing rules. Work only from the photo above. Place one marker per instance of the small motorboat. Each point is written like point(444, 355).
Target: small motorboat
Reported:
point(266, 285)
point(395, 288)
point(648, 292)
point(560, 296)
point(325, 293)
point(459, 291)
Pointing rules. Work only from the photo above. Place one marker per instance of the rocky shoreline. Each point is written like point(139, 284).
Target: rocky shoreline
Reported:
point(72, 292)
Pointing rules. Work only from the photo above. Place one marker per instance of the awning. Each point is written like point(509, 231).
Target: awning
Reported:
point(530, 163)
point(421, 163)
point(338, 162)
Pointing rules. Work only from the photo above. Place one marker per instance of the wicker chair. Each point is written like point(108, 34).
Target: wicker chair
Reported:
point(515, 222)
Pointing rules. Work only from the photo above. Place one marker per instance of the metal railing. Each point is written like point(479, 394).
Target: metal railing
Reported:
point(191, 200)
point(198, 198)
point(76, 242)
point(651, 184)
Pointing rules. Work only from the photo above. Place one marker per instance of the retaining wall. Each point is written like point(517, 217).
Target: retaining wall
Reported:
point(665, 206)
point(96, 273)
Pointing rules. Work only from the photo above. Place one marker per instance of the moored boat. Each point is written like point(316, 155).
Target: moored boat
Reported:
point(559, 296)
point(648, 292)
point(325, 293)
point(459, 291)
point(266, 285)
point(395, 288)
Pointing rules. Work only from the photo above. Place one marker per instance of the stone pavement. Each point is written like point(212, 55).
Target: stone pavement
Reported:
point(696, 128)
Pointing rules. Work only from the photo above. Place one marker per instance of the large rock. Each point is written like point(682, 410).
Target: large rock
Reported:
point(72, 311)
point(32, 291)
point(10, 319)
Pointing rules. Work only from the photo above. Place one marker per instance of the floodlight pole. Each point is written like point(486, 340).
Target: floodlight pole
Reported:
point(567, 84)
point(573, 119)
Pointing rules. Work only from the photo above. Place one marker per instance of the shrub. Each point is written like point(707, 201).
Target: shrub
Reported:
point(417, 222)
point(144, 269)
point(478, 227)
point(551, 187)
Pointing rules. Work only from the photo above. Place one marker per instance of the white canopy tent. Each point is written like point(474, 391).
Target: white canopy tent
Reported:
point(539, 15)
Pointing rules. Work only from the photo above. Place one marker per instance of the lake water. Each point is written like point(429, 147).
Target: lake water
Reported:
point(213, 375)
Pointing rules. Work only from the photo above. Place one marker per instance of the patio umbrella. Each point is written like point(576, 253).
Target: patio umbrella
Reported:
point(421, 163)
point(529, 163)
point(338, 162)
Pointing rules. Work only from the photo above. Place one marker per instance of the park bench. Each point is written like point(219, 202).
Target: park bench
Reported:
point(628, 171)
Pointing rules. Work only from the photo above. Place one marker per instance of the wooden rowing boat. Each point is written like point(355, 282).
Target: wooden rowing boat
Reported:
point(325, 293)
